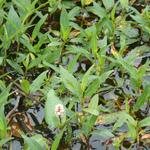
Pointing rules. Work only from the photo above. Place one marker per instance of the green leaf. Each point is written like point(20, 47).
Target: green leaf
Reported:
point(132, 132)
point(124, 3)
point(126, 118)
point(64, 24)
point(92, 88)
point(85, 78)
point(104, 76)
point(15, 66)
point(142, 98)
point(26, 42)
point(25, 85)
point(50, 116)
point(91, 111)
point(3, 123)
point(88, 124)
point(72, 63)
point(38, 26)
point(57, 140)
point(94, 102)
point(70, 82)
point(94, 85)
point(97, 10)
point(33, 143)
point(119, 122)
point(4, 94)
point(1, 60)
point(103, 133)
point(128, 67)
point(38, 82)
point(78, 50)
point(24, 7)
point(108, 4)
point(4, 141)
point(86, 2)
point(94, 41)
point(13, 24)
point(74, 12)
point(145, 122)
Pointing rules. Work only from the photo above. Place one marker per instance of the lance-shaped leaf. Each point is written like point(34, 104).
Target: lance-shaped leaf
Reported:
point(93, 105)
point(13, 24)
point(38, 82)
point(142, 98)
point(52, 117)
point(70, 82)
point(145, 122)
point(64, 24)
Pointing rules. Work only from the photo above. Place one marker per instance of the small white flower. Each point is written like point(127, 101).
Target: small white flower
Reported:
point(59, 110)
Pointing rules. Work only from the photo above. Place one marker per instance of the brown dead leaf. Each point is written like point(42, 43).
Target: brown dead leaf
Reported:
point(100, 120)
point(75, 33)
point(145, 136)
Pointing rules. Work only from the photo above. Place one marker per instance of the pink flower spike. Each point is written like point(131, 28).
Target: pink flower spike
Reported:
point(59, 110)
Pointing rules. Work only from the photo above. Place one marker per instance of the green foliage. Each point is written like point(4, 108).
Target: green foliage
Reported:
point(51, 117)
point(3, 124)
point(36, 142)
point(70, 82)
point(65, 25)
point(83, 65)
